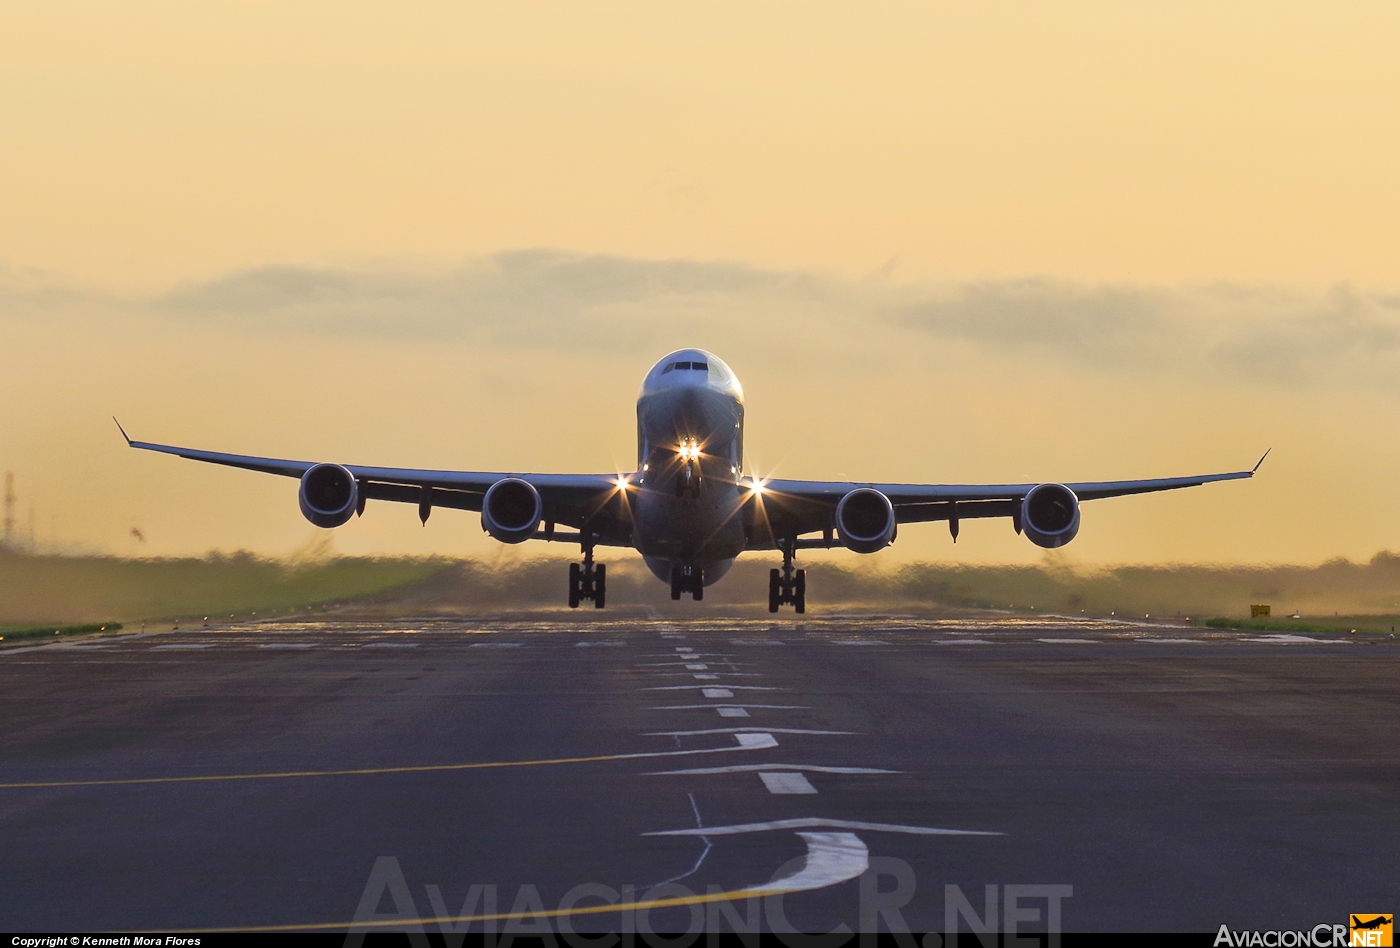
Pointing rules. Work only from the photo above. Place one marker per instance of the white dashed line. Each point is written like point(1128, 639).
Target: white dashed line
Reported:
point(961, 642)
point(692, 707)
point(1068, 641)
point(780, 781)
point(707, 695)
point(1172, 641)
point(858, 642)
point(717, 693)
point(183, 645)
point(732, 712)
point(705, 677)
point(288, 645)
point(592, 644)
point(392, 645)
point(495, 645)
point(738, 730)
point(697, 666)
point(754, 740)
point(751, 768)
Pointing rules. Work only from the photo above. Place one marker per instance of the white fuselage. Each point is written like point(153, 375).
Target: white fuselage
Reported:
point(687, 510)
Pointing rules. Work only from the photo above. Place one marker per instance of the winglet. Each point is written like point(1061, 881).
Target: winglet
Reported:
point(1261, 461)
point(123, 431)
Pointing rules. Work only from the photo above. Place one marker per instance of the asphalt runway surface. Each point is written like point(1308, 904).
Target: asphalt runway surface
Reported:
point(1156, 778)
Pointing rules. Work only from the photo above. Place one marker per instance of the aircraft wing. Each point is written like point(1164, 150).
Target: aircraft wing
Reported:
point(573, 500)
point(792, 508)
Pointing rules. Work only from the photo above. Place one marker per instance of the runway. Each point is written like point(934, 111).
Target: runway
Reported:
point(311, 774)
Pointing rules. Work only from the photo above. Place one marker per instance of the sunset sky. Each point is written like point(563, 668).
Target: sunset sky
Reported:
point(937, 242)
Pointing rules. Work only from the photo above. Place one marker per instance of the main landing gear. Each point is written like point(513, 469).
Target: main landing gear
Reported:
point(689, 579)
point(787, 586)
point(587, 581)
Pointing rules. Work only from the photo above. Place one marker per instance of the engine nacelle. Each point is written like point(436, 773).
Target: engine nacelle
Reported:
point(1050, 515)
point(511, 510)
point(865, 520)
point(328, 495)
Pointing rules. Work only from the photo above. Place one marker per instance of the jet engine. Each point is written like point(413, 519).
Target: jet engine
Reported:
point(865, 520)
point(328, 495)
point(511, 510)
point(1050, 515)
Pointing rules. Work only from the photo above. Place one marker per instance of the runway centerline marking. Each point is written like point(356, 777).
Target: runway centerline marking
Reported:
point(755, 768)
point(708, 690)
point(741, 730)
point(786, 782)
point(693, 707)
point(732, 712)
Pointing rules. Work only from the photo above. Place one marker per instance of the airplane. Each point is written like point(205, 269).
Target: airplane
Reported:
point(1380, 921)
point(689, 508)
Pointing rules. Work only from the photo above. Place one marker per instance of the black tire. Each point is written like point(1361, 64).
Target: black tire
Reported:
point(600, 585)
point(773, 590)
point(676, 581)
point(574, 572)
point(800, 591)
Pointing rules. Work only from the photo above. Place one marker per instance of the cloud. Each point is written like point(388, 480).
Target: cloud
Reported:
point(537, 298)
point(551, 300)
point(1269, 334)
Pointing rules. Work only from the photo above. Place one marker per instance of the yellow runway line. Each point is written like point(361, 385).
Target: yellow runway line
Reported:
point(506, 916)
point(420, 768)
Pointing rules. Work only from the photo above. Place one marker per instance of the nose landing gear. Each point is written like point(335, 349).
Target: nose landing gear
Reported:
point(787, 586)
point(588, 581)
point(689, 579)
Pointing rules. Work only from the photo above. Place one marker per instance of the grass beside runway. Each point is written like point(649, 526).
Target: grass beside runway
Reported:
point(12, 633)
point(1332, 597)
point(1338, 625)
point(36, 591)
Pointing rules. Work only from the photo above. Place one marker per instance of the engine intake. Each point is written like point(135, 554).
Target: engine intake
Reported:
point(511, 510)
point(865, 519)
point(328, 495)
point(1050, 515)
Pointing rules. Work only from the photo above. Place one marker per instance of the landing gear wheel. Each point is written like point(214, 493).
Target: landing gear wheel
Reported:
point(774, 594)
point(600, 585)
point(574, 581)
point(799, 596)
point(677, 581)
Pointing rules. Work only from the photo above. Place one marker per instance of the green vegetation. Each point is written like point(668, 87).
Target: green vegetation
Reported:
point(14, 633)
point(1340, 625)
point(1335, 596)
point(85, 590)
point(1336, 586)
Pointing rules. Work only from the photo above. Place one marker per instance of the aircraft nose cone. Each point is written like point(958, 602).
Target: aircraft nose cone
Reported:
point(686, 413)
